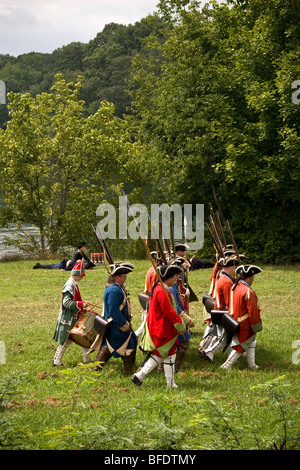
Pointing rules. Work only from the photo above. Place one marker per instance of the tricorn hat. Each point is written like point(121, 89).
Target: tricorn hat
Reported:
point(168, 271)
point(229, 251)
point(155, 254)
point(247, 270)
point(124, 263)
point(121, 268)
point(177, 261)
point(180, 247)
point(229, 261)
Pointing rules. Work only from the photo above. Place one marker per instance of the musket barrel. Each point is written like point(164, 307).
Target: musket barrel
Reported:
point(233, 242)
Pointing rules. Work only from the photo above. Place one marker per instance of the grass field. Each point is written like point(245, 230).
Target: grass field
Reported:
point(46, 408)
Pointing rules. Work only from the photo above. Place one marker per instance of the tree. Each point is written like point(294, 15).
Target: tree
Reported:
point(55, 162)
point(213, 106)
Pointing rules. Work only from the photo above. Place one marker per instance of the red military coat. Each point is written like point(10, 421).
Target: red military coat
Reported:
point(163, 324)
point(214, 279)
point(151, 278)
point(223, 291)
point(244, 308)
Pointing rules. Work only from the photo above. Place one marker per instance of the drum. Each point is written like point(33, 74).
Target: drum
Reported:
point(208, 302)
point(144, 301)
point(83, 332)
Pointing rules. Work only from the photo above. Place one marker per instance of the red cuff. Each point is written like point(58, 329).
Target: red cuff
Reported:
point(80, 305)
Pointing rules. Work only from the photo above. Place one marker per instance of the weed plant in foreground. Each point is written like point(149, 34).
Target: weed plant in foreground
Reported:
point(73, 407)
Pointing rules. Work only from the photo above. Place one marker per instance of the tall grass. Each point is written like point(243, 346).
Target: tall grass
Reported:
point(42, 407)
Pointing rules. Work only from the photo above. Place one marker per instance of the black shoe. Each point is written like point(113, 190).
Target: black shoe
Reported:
point(36, 266)
point(206, 357)
point(136, 380)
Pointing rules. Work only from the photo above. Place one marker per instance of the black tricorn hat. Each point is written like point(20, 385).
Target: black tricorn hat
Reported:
point(177, 261)
point(124, 263)
point(229, 251)
point(168, 271)
point(247, 270)
point(121, 268)
point(155, 254)
point(229, 261)
point(180, 247)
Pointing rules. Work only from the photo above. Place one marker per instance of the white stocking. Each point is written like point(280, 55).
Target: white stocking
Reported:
point(60, 351)
point(233, 357)
point(148, 367)
point(169, 369)
point(250, 355)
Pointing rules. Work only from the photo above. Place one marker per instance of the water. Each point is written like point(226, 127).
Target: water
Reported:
point(11, 232)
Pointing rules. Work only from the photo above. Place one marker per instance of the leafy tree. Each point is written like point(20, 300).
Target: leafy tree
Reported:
point(107, 64)
point(212, 102)
point(55, 162)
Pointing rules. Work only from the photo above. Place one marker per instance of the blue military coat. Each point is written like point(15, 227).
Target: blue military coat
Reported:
point(116, 308)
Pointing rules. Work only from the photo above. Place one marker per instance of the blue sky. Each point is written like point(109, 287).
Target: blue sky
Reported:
point(44, 25)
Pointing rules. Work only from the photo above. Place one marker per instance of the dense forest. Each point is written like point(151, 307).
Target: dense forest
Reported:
point(191, 105)
point(105, 63)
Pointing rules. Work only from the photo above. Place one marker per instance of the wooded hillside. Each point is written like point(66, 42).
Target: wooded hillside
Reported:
point(206, 103)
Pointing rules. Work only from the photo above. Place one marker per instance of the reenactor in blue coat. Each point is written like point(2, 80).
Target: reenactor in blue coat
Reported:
point(120, 339)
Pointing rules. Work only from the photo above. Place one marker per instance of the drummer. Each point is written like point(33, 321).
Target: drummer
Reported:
point(120, 339)
point(70, 308)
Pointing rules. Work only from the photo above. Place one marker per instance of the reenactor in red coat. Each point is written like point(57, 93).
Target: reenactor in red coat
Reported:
point(226, 280)
point(244, 308)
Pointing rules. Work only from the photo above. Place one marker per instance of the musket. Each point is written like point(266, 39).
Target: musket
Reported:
point(152, 247)
point(166, 244)
point(159, 248)
point(172, 239)
point(215, 243)
point(216, 224)
point(148, 251)
point(102, 248)
point(221, 230)
point(106, 253)
point(186, 259)
point(233, 242)
point(220, 247)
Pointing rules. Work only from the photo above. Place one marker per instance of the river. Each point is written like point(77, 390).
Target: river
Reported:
point(11, 232)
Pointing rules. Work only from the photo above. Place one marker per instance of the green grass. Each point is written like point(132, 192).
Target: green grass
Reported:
point(43, 408)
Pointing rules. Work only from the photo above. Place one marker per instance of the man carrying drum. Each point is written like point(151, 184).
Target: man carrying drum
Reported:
point(71, 306)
